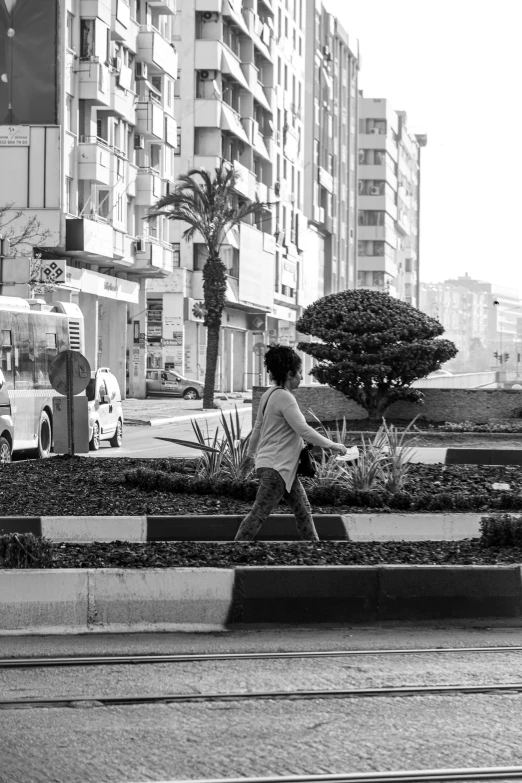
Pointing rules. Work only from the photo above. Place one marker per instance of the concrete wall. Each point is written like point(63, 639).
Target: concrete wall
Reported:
point(478, 405)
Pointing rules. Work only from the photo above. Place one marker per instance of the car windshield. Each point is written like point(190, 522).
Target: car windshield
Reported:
point(90, 390)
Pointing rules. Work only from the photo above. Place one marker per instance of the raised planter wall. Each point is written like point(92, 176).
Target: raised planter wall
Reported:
point(477, 405)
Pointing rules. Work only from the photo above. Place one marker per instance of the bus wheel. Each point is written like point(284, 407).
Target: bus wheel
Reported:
point(94, 443)
point(5, 450)
point(44, 436)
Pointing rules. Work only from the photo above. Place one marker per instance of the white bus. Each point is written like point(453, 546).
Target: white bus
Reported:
point(32, 333)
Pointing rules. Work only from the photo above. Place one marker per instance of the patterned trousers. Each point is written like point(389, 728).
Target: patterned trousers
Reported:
point(271, 490)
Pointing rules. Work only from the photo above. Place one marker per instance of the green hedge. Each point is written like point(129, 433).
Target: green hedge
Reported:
point(24, 550)
point(501, 530)
point(335, 495)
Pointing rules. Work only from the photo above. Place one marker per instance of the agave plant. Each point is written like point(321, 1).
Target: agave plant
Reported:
point(397, 455)
point(236, 447)
point(219, 455)
point(367, 472)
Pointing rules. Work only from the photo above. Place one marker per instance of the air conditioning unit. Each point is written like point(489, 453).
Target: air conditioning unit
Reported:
point(142, 71)
point(139, 141)
point(374, 131)
point(375, 191)
point(277, 188)
point(280, 237)
point(207, 76)
point(210, 16)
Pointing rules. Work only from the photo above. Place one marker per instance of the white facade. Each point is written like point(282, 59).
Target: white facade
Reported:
point(388, 201)
point(91, 177)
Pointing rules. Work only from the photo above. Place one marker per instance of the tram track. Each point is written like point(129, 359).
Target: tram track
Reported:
point(398, 776)
point(287, 695)
point(121, 660)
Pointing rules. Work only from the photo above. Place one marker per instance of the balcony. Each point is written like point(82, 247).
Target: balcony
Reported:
point(377, 141)
point(121, 102)
point(157, 51)
point(371, 232)
point(262, 191)
point(153, 258)
point(207, 113)
point(89, 239)
point(149, 187)
point(94, 81)
point(122, 248)
point(246, 182)
point(94, 160)
point(132, 179)
point(163, 6)
point(92, 9)
point(326, 180)
point(376, 264)
point(150, 118)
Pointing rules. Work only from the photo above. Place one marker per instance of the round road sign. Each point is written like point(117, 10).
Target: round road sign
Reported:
point(80, 368)
point(260, 349)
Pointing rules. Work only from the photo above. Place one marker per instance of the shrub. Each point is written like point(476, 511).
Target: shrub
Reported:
point(501, 530)
point(24, 550)
point(372, 347)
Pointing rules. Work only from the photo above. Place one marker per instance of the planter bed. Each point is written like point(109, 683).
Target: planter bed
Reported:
point(229, 555)
point(80, 486)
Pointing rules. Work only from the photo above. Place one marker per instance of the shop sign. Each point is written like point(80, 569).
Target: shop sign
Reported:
point(257, 322)
point(14, 135)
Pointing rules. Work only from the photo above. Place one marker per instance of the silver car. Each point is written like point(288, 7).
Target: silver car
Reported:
point(105, 409)
point(168, 383)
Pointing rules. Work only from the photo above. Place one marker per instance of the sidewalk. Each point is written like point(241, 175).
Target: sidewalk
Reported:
point(157, 411)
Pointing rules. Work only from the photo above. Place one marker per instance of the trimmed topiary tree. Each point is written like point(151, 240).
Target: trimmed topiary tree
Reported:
point(373, 347)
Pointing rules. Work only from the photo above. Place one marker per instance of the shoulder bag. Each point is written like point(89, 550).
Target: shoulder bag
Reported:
point(305, 465)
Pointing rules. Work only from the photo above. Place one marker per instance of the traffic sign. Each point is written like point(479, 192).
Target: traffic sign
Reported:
point(79, 368)
point(260, 349)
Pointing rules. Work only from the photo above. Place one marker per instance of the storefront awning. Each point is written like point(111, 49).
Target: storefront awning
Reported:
point(230, 122)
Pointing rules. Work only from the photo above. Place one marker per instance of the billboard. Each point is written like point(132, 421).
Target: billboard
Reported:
point(28, 62)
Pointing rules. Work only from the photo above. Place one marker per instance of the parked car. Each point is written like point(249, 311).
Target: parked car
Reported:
point(105, 409)
point(169, 383)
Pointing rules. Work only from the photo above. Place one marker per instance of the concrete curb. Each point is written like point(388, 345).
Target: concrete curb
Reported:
point(346, 594)
point(114, 600)
point(72, 601)
point(159, 422)
point(223, 527)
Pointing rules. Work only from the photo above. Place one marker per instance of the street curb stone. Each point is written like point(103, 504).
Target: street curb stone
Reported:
point(223, 527)
point(105, 600)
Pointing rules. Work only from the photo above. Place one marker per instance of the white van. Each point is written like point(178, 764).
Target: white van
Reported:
point(105, 409)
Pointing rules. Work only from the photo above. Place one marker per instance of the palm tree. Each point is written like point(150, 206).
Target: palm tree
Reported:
point(207, 205)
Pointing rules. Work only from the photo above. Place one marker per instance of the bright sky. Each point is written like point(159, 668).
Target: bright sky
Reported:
point(454, 66)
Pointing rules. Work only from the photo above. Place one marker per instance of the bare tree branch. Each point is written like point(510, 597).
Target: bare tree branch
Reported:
point(29, 235)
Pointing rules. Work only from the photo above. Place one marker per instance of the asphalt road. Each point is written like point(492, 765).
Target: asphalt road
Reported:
point(145, 441)
point(94, 744)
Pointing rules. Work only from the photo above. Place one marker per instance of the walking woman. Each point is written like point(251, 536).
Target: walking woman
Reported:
point(276, 442)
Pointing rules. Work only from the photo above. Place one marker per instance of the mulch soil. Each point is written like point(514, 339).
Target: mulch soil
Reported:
point(77, 486)
point(82, 486)
point(266, 553)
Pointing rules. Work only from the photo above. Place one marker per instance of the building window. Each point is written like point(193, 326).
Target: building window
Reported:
point(68, 114)
point(200, 256)
point(176, 254)
point(87, 29)
point(70, 207)
point(103, 204)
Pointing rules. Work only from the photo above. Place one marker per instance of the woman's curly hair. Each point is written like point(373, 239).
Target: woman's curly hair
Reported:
point(279, 360)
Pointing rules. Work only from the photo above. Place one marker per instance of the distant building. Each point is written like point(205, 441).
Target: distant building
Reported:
point(330, 139)
point(481, 318)
point(388, 248)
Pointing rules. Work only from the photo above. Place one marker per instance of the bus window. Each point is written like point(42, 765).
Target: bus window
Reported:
point(24, 356)
point(7, 357)
point(44, 353)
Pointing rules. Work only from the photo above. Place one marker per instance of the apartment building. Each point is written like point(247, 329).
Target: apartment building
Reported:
point(92, 148)
point(388, 256)
point(332, 65)
point(239, 99)
point(481, 318)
